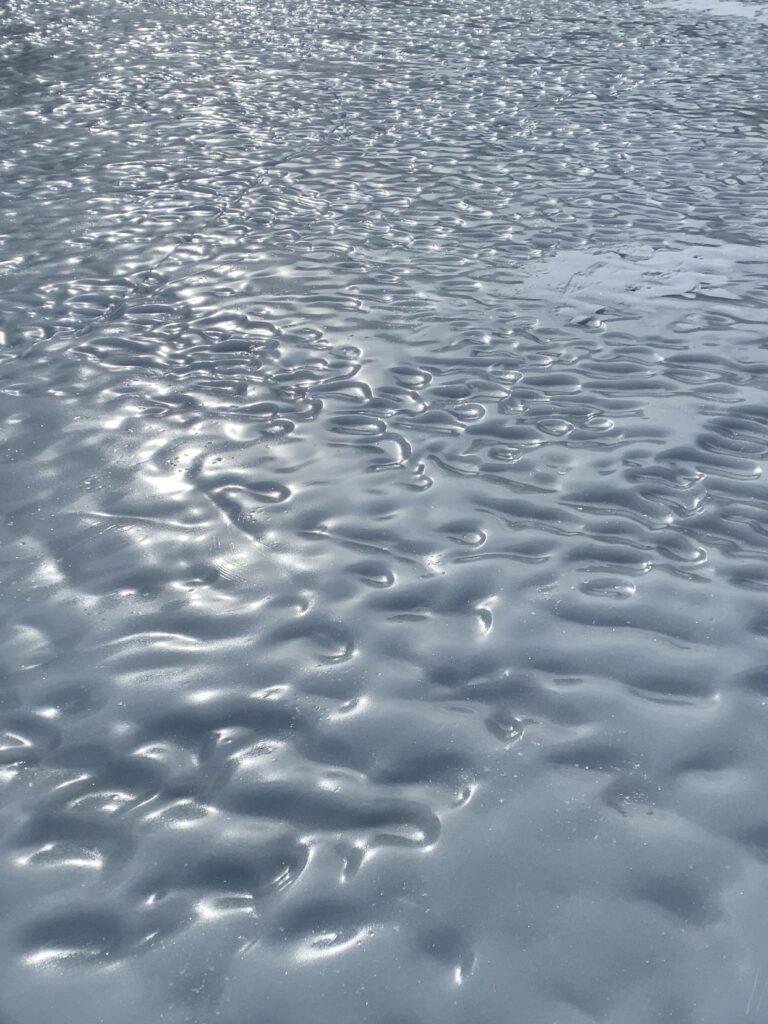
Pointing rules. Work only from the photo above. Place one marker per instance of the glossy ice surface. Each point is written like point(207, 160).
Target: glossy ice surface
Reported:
point(384, 620)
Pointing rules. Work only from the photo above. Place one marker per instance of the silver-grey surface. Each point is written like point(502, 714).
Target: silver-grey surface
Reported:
point(383, 548)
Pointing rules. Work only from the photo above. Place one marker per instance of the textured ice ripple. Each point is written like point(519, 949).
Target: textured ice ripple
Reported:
point(384, 521)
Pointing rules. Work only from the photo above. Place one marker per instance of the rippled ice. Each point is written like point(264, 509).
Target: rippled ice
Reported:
point(383, 390)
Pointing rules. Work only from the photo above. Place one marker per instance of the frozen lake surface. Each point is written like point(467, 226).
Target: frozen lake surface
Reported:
point(384, 524)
